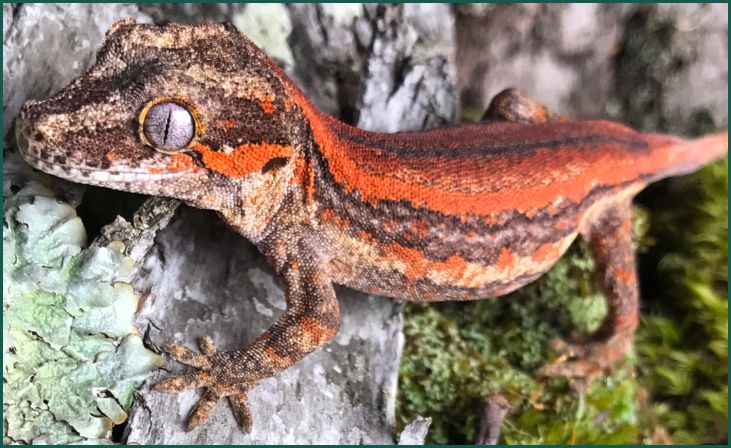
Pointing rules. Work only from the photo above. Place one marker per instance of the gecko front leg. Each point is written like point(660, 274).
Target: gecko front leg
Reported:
point(311, 319)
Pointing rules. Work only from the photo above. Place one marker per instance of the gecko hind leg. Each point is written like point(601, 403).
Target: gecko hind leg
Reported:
point(513, 106)
point(610, 240)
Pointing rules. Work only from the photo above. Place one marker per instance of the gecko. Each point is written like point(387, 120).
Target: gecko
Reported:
point(465, 212)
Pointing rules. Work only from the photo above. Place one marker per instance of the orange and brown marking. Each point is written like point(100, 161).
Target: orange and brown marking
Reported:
point(304, 176)
point(506, 260)
point(318, 332)
point(180, 162)
point(242, 160)
point(228, 124)
point(419, 267)
point(267, 104)
point(485, 186)
point(391, 225)
point(276, 360)
point(330, 216)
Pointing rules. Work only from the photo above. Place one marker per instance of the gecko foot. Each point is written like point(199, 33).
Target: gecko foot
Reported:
point(208, 363)
point(581, 363)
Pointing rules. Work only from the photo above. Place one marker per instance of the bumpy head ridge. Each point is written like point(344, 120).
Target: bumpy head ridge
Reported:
point(171, 110)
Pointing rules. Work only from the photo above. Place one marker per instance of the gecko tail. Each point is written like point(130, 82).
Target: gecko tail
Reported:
point(678, 156)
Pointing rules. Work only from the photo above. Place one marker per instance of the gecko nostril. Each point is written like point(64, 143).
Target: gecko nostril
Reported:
point(38, 136)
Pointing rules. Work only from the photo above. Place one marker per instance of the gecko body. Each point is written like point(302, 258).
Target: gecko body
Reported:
point(466, 212)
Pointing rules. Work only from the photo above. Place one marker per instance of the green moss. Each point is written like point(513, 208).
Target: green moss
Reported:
point(456, 353)
point(72, 357)
point(683, 341)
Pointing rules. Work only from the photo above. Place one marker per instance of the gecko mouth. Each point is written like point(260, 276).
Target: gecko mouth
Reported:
point(88, 175)
point(35, 149)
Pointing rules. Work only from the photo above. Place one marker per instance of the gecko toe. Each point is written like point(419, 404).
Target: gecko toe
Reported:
point(207, 346)
point(580, 373)
point(181, 383)
point(187, 356)
point(582, 363)
point(240, 406)
point(201, 411)
point(569, 349)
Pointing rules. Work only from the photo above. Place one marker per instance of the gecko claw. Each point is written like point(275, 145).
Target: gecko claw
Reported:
point(206, 377)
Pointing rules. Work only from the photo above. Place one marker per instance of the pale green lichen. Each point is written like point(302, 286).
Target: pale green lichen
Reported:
point(72, 358)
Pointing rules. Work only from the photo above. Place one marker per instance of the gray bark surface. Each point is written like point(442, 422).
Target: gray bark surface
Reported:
point(573, 58)
point(415, 432)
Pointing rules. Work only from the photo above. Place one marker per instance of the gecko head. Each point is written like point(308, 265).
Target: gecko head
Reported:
point(171, 110)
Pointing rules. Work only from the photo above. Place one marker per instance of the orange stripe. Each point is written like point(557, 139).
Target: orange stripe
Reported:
point(242, 160)
point(537, 180)
point(548, 251)
point(419, 267)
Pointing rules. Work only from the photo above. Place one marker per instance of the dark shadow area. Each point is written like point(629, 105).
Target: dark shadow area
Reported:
point(101, 206)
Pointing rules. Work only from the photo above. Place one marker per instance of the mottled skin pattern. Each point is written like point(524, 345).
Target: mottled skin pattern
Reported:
point(459, 213)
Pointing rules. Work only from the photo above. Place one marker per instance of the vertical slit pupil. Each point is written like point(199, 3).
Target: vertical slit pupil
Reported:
point(169, 126)
point(168, 119)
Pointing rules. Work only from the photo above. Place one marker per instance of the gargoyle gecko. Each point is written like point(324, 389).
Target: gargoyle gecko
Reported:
point(477, 210)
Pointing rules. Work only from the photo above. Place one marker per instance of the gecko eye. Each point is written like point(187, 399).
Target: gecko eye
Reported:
point(167, 126)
